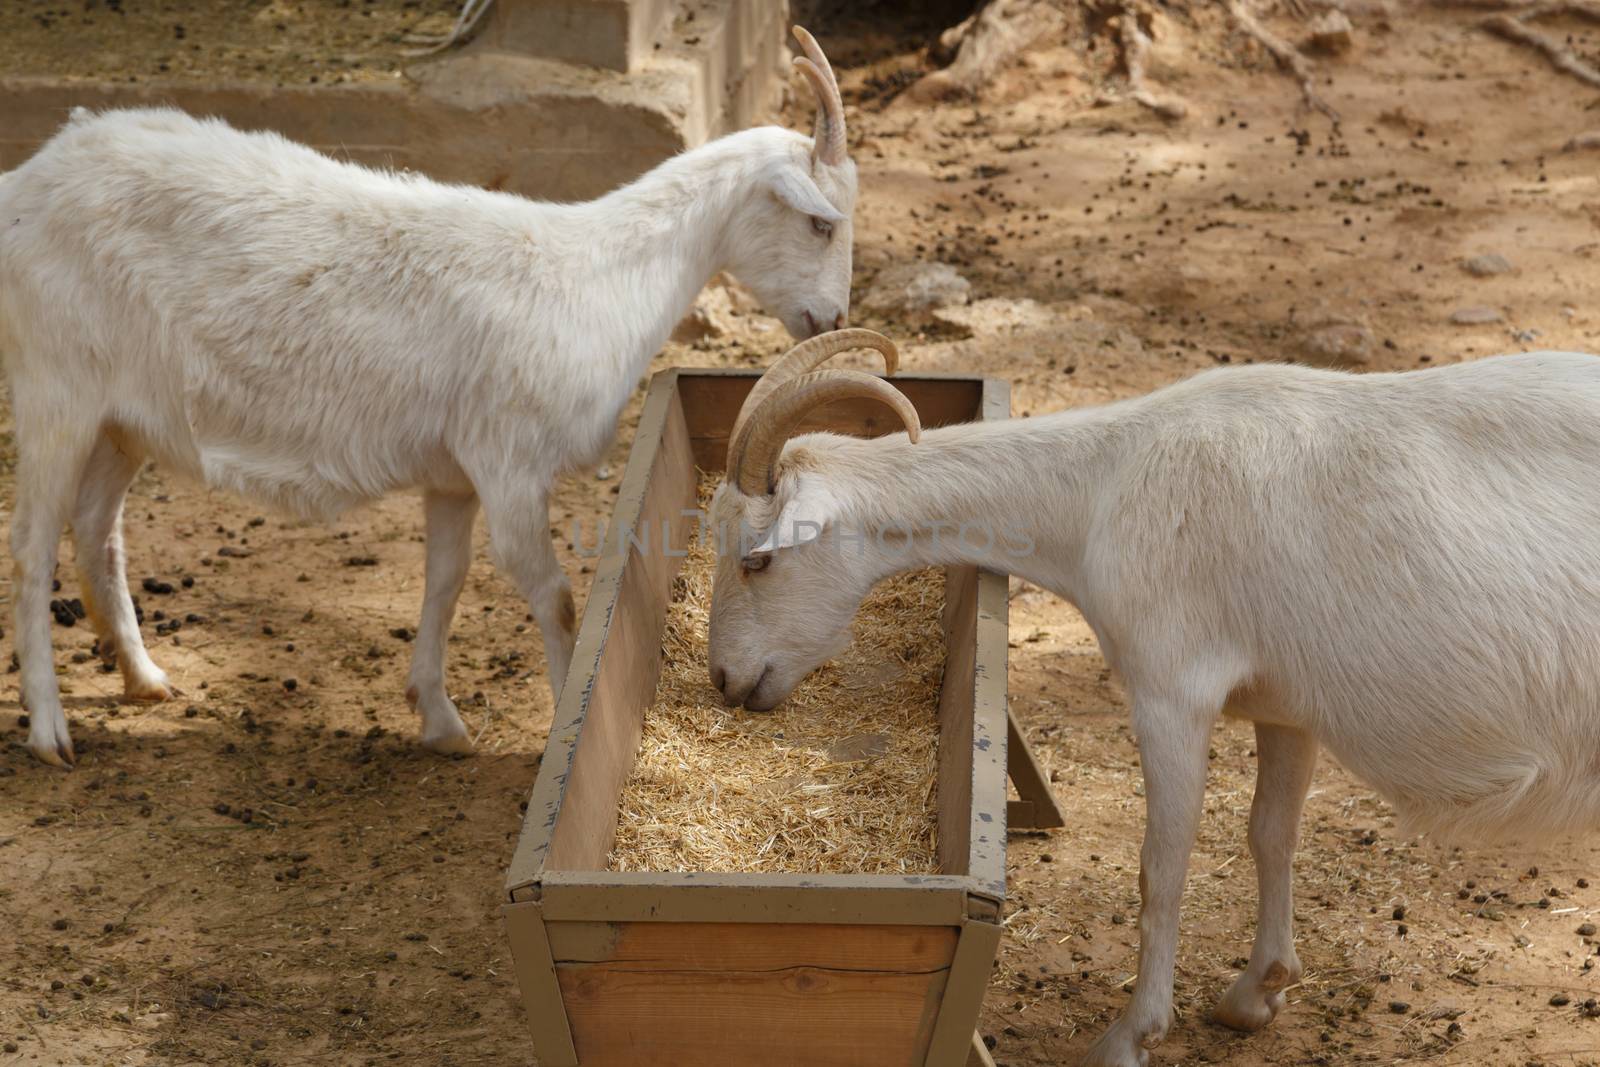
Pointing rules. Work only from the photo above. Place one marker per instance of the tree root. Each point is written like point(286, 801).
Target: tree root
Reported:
point(1135, 47)
point(1513, 29)
point(1289, 59)
point(985, 43)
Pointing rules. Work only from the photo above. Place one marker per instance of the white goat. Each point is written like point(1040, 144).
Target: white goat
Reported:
point(1400, 567)
point(315, 334)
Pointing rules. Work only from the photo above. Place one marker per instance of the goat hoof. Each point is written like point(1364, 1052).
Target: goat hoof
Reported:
point(55, 756)
point(1115, 1049)
point(1252, 1003)
point(454, 744)
point(51, 745)
point(147, 690)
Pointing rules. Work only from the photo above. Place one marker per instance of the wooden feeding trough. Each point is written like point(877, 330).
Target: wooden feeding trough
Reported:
point(647, 968)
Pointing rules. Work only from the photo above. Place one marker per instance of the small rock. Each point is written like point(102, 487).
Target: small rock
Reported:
point(1399, 1007)
point(1586, 930)
point(603, 473)
point(711, 316)
point(1331, 34)
point(1560, 1000)
point(1337, 344)
point(1486, 265)
point(917, 288)
point(1478, 316)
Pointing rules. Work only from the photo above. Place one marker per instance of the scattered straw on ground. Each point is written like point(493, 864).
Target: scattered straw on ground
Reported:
point(838, 779)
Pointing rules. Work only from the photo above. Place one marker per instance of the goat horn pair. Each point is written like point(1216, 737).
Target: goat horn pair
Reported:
point(828, 142)
point(792, 389)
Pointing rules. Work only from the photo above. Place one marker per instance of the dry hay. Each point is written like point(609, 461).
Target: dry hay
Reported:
point(839, 779)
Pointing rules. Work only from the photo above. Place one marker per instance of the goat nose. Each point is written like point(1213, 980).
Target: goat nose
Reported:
point(839, 321)
point(811, 323)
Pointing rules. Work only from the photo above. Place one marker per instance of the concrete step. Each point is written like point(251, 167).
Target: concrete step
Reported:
point(610, 34)
point(736, 51)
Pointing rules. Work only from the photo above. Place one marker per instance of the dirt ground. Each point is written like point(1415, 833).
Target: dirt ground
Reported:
point(282, 42)
point(260, 873)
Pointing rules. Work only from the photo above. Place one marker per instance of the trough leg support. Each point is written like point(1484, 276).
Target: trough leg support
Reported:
point(1037, 810)
point(536, 974)
point(953, 1035)
point(979, 1056)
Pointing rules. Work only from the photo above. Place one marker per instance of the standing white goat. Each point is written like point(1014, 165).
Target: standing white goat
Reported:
point(315, 334)
point(1400, 567)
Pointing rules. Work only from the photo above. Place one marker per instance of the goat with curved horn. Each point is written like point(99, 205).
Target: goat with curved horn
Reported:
point(808, 356)
point(753, 455)
point(829, 146)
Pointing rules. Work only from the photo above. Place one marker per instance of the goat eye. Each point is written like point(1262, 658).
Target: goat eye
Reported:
point(751, 564)
point(822, 226)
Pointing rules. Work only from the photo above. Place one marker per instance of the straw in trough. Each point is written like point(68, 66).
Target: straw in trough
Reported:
point(839, 778)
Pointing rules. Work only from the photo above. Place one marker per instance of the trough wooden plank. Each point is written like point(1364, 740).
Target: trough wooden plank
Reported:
point(954, 784)
point(772, 994)
point(710, 402)
point(740, 947)
point(729, 897)
point(625, 684)
point(549, 791)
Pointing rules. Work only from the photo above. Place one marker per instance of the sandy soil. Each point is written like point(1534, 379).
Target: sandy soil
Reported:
point(265, 875)
point(293, 42)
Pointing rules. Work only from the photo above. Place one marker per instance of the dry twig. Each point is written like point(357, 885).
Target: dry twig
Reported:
point(1135, 46)
point(1513, 29)
point(1285, 53)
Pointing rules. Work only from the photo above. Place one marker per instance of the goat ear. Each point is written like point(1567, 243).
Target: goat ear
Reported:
point(795, 187)
point(803, 517)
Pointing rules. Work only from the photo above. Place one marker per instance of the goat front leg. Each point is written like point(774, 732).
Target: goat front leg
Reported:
point(1173, 736)
point(1285, 759)
point(51, 454)
point(102, 570)
point(448, 519)
point(519, 536)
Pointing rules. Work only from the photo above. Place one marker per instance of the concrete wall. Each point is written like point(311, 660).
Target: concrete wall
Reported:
point(487, 116)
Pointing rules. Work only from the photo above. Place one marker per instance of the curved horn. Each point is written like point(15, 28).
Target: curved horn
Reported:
point(808, 356)
point(753, 457)
point(828, 141)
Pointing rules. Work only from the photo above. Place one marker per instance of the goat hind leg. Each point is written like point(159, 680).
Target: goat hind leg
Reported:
point(520, 536)
point(449, 520)
point(1285, 759)
point(51, 454)
point(102, 562)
